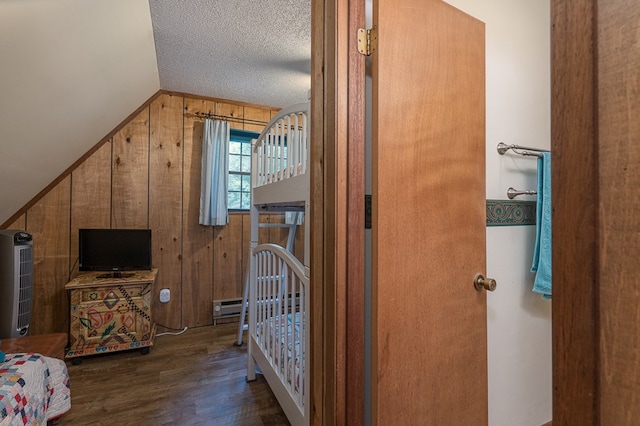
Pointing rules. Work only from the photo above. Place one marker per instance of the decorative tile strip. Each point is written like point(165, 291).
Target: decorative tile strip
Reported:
point(511, 212)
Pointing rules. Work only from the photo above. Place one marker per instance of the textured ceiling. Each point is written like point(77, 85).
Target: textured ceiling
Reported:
point(255, 51)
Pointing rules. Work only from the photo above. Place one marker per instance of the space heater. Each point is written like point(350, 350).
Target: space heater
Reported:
point(16, 282)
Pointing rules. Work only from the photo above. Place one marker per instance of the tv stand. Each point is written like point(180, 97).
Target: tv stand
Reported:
point(115, 274)
point(110, 313)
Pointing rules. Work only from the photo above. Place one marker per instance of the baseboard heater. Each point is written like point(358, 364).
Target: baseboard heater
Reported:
point(224, 308)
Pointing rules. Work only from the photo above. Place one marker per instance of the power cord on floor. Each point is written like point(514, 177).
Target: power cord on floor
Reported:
point(172, 333)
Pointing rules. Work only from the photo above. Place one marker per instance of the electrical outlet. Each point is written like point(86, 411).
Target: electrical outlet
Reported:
point(165, 295)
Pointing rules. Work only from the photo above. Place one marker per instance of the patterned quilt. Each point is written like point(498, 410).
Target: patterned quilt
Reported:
point(33, 389)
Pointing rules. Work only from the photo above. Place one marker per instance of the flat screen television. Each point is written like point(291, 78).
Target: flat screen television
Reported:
point(114, 250)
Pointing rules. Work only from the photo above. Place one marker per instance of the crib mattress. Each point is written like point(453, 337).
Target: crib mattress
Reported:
point(290, 350)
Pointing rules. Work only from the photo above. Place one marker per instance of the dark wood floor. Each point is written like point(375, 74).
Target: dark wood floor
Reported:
point(196, 378)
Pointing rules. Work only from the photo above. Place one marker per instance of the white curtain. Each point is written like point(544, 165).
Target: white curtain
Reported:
point(215, 172)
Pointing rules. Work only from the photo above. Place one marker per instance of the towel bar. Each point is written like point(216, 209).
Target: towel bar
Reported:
point(520, 150)
point(512, 193)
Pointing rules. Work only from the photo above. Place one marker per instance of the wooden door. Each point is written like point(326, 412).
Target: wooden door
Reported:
point(429, 323)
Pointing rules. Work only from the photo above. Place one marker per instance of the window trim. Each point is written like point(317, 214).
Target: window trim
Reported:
point(243, 136)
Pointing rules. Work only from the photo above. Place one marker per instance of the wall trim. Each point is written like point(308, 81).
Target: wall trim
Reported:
point(511, 212)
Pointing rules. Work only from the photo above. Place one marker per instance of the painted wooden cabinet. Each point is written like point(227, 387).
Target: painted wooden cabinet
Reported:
point(110, 314)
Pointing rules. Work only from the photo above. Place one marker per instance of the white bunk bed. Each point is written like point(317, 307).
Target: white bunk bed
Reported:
point(278, 339)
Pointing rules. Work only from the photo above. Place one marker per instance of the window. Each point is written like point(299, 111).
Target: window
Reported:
point(239, 190)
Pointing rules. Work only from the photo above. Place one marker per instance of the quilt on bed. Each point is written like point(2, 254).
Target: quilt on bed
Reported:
point(33, 389)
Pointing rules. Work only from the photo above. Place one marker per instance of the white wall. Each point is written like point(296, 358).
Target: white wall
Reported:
point(518, 111)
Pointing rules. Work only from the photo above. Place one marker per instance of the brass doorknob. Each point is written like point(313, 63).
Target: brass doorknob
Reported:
point(480, 282)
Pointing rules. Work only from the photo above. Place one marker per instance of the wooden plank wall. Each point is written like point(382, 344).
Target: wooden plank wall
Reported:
point(197, 245)
point(147, 175)
point(48, 222)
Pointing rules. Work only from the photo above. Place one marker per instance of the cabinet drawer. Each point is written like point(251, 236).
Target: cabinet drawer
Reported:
point(110, 293)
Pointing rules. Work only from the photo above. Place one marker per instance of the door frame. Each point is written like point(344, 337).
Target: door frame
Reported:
point(574, 147)
point(337, 212)
point(595, 268)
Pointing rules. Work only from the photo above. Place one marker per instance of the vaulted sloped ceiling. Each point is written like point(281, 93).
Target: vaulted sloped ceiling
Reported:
point(72, 70)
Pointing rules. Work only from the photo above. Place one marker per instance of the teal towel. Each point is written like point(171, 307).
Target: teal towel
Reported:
point(542, 252)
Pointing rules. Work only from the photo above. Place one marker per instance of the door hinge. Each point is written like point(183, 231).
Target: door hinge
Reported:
point(367, 41)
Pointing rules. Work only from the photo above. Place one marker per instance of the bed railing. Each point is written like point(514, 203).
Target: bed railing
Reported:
point(281, 150)
point(279, 288)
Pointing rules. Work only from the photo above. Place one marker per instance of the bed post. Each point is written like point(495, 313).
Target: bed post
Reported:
point(253, 243)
